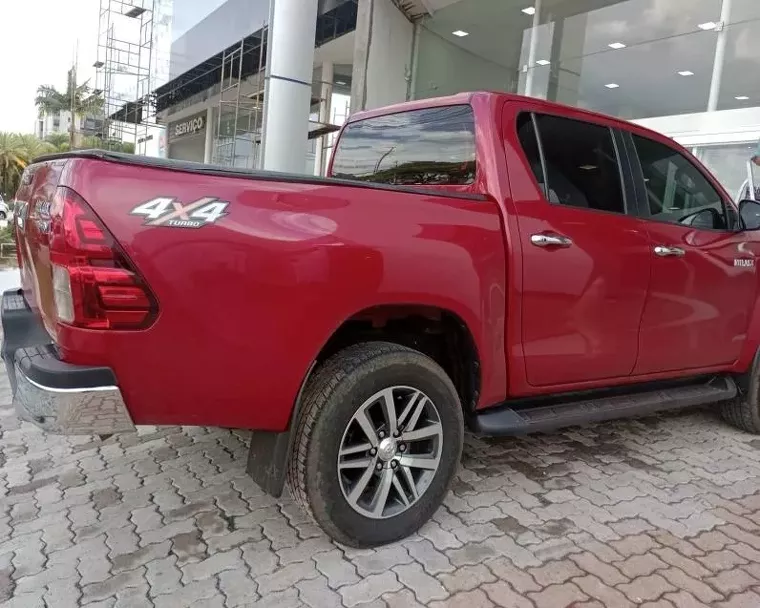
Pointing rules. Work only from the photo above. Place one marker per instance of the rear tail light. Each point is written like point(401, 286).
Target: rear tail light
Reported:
point(95, 286)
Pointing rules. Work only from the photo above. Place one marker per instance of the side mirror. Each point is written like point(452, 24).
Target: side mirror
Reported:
point(749, 211)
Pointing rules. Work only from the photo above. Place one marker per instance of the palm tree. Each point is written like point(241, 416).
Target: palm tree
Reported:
point(16, 152)
point(60, 141)
point(80, 98)
point(12, 162)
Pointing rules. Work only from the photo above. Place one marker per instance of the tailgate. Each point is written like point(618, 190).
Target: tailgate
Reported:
point(32, 225)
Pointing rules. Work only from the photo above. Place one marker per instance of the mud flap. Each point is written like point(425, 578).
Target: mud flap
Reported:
point(268, 460)
point(269, 452)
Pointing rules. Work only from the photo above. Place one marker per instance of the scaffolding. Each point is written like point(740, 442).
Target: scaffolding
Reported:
point(239, 112)
point(127, 70)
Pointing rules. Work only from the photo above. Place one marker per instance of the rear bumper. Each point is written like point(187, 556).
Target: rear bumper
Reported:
point(56, 396)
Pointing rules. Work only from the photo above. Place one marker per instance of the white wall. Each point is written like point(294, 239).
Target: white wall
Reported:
point(706, 128)
point(383, 56)
point(444, 69)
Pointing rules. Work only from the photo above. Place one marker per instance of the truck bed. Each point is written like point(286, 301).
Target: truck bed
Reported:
point(252, 174)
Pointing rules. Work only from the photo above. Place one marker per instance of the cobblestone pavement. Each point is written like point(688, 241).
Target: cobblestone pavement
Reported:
point(659, 512)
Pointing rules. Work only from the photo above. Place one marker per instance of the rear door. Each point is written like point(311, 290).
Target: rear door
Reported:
point(585, 261)
point(704, 278)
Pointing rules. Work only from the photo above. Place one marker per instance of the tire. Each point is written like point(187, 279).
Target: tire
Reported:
point(2, 215)
point(743, 412)
point(335, 396)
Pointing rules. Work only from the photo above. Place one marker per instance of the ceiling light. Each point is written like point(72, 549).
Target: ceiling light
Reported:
point(616, 45)
point(461, 33)
point(341, 83)
point(588, 167)
point(686, 73)
point(531, 10)
point(707, 26)
point(741, 98)
point(543, 62)
point(612, 85)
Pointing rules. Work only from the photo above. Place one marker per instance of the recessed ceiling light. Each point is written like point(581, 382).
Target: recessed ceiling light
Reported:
point(461, 33)
point(543, 62)
point(531, 10)
point(612, 85)
point(616, 45)
point(686, 73)
point(742, 98)
point(707, 26)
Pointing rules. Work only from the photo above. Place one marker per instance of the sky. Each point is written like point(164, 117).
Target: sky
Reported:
point(38, 39)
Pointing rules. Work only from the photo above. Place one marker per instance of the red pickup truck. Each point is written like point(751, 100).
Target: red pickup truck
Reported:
point(484, 260)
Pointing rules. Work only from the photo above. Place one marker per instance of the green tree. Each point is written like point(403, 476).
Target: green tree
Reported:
point(84, 101)
point(12, 162)
point(60, 141)
point(16, 152)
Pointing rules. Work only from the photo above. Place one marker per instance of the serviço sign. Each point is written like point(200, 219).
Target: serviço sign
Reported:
point(187, 126)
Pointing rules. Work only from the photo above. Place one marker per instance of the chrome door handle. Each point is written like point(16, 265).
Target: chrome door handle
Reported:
point(666, 252)
point(550, 240)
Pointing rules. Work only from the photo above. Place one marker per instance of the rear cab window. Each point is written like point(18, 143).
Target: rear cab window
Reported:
point(575, 163)
point(430, 147)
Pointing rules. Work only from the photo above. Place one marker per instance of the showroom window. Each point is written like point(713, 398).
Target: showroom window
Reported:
point(634, 59)
point(580, 162)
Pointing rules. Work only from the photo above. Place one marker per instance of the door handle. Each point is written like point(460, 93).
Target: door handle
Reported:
point(550, 240)
point(665, 252)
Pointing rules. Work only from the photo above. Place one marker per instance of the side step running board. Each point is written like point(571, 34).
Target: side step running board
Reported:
point(503, 420)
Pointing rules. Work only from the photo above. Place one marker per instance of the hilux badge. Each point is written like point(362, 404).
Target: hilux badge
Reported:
point(744, 263)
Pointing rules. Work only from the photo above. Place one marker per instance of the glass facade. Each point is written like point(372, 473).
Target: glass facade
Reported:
point(634, 59)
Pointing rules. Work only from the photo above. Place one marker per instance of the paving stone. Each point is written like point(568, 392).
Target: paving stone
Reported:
point(502, 594)
point(400, 599)
point(338, 570)
point(466, 578)
point(646, 588)
point(370, 588)
point(382, 559)
point(732, 581)
point(425, 587)
point(747, 599)
point(238, 588)
point(640, 565)
point(609, 596)
point(683, 599)
point(214, 564)
point(465, 599)
point(558, 595)
point(286, 577)
point(506, 571)
point(555, 572)
point(433, 561)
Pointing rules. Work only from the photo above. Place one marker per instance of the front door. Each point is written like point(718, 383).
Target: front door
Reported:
point(704, 278)
point(586, 262)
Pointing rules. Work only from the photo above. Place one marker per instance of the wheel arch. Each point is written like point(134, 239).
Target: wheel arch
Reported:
point(438, 332)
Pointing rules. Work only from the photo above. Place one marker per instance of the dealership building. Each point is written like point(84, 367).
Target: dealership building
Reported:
point(687, 68)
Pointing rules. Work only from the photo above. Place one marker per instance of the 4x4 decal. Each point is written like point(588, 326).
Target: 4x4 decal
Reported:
point(167, 211)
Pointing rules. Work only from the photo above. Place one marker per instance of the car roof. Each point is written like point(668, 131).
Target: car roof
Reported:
point(469, 97)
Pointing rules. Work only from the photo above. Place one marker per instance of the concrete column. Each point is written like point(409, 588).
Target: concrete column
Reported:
point(532, 49)
point(292, 34)
point(208, 146)
point(720, 56)
point(325, 113)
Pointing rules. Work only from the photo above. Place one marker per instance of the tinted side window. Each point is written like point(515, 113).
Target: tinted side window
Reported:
point(581, 164)
point(677, 191)
point(526, 133)
point(434, 146)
